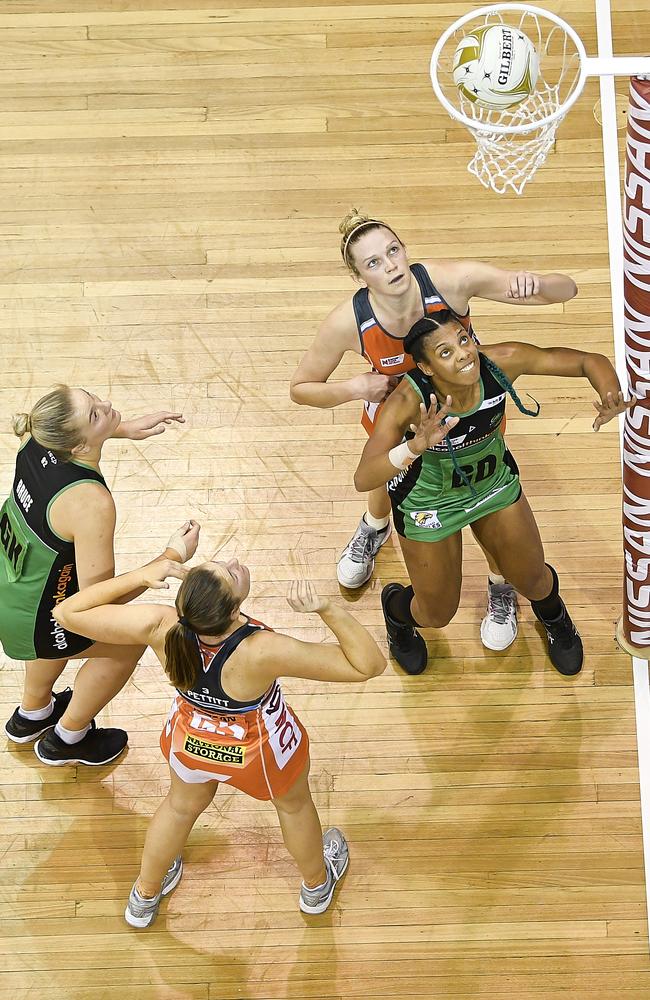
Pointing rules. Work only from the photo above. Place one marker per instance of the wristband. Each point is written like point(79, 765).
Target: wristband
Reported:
point(401, 456)
point(178, 545)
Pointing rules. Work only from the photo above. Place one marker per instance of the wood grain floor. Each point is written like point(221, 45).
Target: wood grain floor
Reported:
point(172, 173)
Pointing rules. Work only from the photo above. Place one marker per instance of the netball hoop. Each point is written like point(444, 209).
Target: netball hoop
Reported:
point(513, 143)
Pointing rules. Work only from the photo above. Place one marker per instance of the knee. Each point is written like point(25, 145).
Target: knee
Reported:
point(295, 799)
point(434, 616)
point(185, 811)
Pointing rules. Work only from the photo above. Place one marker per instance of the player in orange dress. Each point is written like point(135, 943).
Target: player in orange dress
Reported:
point(373, 322)
point(229, 721)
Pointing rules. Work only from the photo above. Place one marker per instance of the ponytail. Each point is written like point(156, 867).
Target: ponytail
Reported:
point(205, 606)
point(182, 657)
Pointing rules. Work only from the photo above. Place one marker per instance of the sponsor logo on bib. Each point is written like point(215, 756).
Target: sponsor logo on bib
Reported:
point(397, 359)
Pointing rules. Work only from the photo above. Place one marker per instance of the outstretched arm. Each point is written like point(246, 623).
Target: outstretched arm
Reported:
point(517, 359)
point(384, 455)
point(525, 288)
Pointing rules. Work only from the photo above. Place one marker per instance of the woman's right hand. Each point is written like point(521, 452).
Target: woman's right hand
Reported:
point(374, 387)
point(302, 597)
point(154, 575)
point(433, 427)
point(185, 540)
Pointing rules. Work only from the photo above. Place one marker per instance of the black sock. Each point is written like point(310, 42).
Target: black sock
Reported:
point(399, 606)
point(551, 607)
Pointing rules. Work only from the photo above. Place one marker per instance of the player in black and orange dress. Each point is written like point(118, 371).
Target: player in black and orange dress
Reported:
point(229, 721)
point(374, 323)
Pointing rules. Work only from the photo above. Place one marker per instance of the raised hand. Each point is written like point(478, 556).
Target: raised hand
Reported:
point(434, 425)
point(302, 597)
point(154, 576)
point(185, 540)
point(374, 387)
point(611, 406)
point(147, 426)
point(522, 285)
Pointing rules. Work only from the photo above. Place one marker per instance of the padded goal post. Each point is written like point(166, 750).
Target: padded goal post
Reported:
point(636, 434)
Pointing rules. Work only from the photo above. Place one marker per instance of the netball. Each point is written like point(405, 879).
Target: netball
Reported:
point(496, 66)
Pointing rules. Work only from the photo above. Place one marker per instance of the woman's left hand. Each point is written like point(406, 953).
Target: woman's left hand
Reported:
point(147, 426)
point(611, 406)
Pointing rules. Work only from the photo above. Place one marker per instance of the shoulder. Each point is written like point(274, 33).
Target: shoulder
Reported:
point(263, 655)
point(340, 325)
point(83, 509)
point(512, 357)
point(414, 385)
point(161, 618)
point(402, 406)
point(87, 497)
point(501, 352)
point(451, 278)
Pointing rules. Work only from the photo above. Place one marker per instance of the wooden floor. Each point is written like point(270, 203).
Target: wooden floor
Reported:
point(172, 173)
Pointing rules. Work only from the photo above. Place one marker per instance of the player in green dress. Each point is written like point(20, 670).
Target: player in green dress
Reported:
point(448, 466)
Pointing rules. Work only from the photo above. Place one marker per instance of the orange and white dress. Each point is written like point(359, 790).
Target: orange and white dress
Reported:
point(382, 349)
point(260, 747)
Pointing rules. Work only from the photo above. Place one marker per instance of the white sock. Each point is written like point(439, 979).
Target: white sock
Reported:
point(36, 714)
point(325, 884)
point(495, 578)
point(378, 523)
point(69, 736)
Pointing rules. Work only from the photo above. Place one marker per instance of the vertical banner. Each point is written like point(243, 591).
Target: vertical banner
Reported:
point(636, 435)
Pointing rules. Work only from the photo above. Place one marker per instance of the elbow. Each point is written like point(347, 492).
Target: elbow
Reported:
point(296, 394)
point(59, 616)
point(374, 667)
point(380, 664)
point(362, 482)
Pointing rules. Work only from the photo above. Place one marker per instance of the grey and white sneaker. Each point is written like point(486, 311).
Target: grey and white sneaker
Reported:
point(499, 627)
point(357, 560)
point(142, 912)
point(337, 856)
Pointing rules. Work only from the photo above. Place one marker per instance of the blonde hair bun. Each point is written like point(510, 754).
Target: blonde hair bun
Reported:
point(21, 424)
point(353, 219)
point(52, 422)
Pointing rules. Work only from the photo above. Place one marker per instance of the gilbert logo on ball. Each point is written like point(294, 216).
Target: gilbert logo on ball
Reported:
point(496, 66)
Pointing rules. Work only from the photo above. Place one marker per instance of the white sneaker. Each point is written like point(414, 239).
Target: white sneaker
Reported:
point(337, 855)
point(357, 560)
point(141, 912)
point(499, 627)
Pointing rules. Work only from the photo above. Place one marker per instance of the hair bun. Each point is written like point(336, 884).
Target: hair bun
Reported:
point(21, 424)
point(353, 219)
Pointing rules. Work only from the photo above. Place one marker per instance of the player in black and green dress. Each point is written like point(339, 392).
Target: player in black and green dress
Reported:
point(56, 535)
point(448, 466)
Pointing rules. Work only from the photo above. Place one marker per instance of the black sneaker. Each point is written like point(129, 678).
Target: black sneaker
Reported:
point(22, 730)
point(564, 643)
point(99, 746)
point(405, 644)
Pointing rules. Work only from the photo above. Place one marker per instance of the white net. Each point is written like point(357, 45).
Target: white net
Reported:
point(512, 143)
